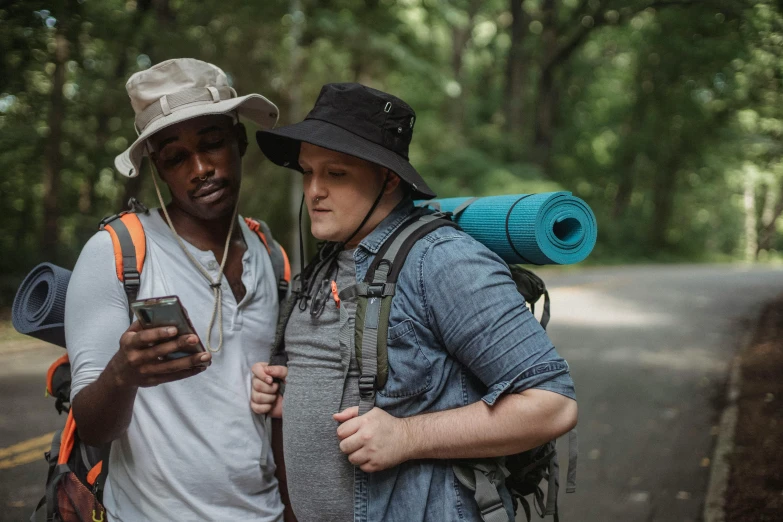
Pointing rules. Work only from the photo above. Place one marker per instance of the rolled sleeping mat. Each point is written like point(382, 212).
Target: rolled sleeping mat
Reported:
point(552, 228)
point(39, 306)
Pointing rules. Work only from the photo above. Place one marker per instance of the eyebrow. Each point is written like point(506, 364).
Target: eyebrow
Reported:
point(167, 141)
point(332, 164)
point(205, 130)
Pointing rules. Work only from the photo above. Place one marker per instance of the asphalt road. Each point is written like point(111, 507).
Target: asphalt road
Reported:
point(26, 416)
point(649, 349)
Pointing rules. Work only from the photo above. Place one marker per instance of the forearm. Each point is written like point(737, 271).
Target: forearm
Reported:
point(515, 423)
point(104, 408)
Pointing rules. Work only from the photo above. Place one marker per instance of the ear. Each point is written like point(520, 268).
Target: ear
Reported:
point(241, 135)
point(392, 182)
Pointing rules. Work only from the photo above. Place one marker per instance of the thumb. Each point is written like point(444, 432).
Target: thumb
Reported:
point(135, 327)
point(259, 371)
point(346, 414)
point(278, 372)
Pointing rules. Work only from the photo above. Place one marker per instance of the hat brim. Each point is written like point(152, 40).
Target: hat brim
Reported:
point(252, 107)
point(281, 146)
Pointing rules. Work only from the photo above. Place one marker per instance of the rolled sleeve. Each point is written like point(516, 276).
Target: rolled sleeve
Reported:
point(473, 306)
point(551, 376)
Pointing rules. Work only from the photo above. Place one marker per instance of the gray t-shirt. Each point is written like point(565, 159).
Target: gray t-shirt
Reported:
point(323, 379)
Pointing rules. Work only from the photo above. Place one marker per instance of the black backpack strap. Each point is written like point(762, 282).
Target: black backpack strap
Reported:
point(278, 356)
point(532, 288)
point(100, 482)
point(573, 452)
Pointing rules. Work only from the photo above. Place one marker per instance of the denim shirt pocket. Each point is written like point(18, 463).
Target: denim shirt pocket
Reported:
point(410, 372)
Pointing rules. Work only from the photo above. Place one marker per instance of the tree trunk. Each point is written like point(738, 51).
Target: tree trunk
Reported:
point(165, 18)
point(624, 166)
point(517, 66)
point(749, 199)
point(87, 188)
point(663, 203)
point(624, 191)
point(546, 102)
point(295, 107)
point(773, 208)
point(53, 159)
point(460, 37)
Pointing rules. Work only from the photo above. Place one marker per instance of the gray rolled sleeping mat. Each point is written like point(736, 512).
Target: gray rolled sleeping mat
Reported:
point(39, 306)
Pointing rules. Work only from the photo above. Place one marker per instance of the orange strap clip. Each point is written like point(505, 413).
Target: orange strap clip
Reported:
point(335, 294)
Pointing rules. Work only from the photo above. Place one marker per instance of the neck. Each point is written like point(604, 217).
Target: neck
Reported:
point(205, 234)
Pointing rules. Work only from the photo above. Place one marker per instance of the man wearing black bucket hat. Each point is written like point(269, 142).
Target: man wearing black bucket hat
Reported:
point(468, 371)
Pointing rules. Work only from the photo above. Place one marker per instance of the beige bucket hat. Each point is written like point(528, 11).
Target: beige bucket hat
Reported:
point(182, 89)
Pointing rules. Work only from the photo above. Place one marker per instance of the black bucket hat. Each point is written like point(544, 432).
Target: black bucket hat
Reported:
point(353, 119)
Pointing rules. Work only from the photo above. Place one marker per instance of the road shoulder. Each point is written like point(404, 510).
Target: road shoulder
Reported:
point(746, 483)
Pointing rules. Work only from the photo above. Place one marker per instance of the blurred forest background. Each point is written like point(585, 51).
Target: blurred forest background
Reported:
point(666, 116)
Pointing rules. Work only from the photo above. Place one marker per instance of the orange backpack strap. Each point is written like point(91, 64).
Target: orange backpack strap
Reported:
point(53, 368)
point(94, 473)
point(280, 264)
point(130, 249)
point(67, 439)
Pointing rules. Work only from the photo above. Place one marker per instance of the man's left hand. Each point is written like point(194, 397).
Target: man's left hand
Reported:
point(373, 441)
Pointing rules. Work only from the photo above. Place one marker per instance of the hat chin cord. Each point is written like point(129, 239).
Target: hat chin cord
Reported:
point(309, 274)
point(215, 285)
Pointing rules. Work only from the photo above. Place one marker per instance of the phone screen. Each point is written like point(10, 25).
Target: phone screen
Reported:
point(165, 311)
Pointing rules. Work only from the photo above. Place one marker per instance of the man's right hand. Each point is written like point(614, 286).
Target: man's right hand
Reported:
point(142, 358)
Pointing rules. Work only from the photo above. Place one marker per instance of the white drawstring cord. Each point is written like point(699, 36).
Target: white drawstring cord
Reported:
point(217, 290)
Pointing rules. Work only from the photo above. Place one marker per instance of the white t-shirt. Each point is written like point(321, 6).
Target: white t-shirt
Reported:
point(194, 450)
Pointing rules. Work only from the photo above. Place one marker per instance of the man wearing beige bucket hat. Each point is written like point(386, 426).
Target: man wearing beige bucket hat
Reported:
point(191, 448)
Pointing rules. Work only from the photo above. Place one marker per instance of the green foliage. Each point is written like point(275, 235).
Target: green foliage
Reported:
point(667, 120)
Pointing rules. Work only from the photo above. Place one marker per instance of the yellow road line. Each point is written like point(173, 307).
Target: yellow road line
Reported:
point(25, 446)
point(34, 455)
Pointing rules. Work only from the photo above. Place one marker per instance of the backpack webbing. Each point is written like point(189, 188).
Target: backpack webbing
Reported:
point(130, 250)
point(374, 296)
point(280, 265)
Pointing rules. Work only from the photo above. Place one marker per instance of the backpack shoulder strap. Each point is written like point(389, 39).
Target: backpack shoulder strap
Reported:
point(282, 269)
point(280, 264)
point(130, 249)
point(374, 297)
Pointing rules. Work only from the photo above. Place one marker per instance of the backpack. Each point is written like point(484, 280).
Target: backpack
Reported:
point(77, 471)
point(521, 473)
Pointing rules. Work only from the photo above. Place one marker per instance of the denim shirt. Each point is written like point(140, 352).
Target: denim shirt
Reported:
point(459, 332)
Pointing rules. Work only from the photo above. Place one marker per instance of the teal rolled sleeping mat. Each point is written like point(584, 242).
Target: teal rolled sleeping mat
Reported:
point(552, 228)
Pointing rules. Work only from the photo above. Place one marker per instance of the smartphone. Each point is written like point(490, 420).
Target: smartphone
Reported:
point(166, 311)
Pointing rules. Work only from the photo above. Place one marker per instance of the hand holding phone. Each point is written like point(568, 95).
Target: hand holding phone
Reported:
point(162, 346)
point(166, 311)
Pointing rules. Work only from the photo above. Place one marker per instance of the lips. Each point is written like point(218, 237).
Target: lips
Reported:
point(214, 196)
point(210, 192)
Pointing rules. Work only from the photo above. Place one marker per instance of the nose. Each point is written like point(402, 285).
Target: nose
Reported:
point(202, 167)
point(314, 187)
